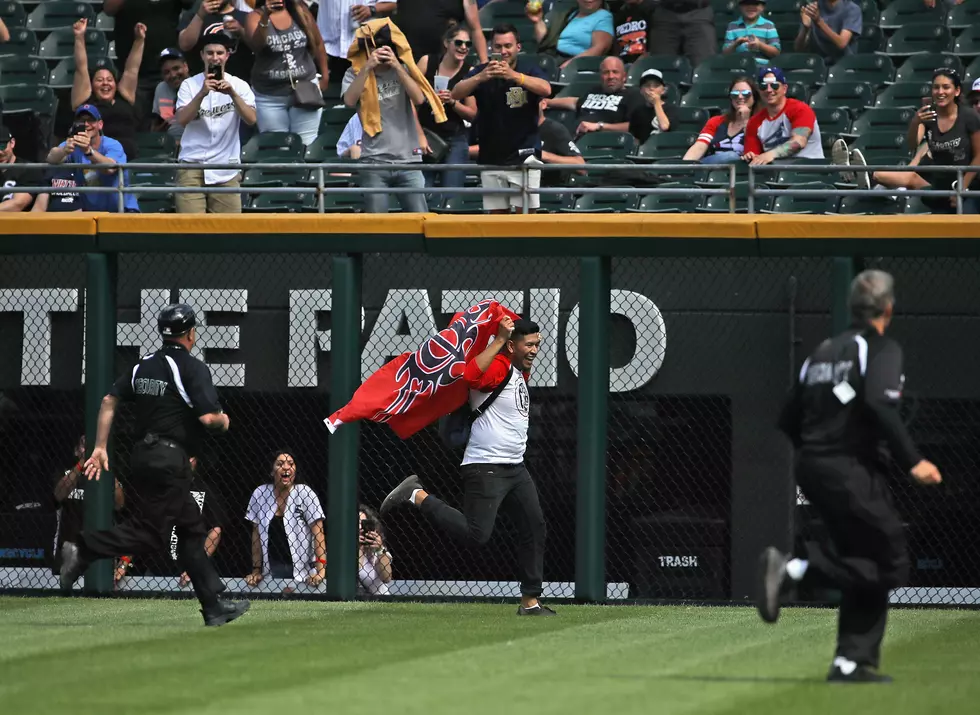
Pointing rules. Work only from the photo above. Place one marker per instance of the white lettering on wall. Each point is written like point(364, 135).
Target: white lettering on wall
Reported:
point(36, 305)
point(305, 339)
point(405, 321)
point(209, 300)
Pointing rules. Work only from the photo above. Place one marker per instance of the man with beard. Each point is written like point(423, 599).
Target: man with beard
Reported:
point(173, 69)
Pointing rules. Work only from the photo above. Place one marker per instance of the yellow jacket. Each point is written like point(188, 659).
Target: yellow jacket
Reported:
point(369, 108)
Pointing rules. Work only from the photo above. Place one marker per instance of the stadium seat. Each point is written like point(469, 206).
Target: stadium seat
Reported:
point(668, 203)
point(724, 68)
point(876, 70)
point(919, 68)
point(55, 14)
point(885, 156)
point(805, 204)
point(914, 205)
point(875, 143)
point(324, 147)
point(850, 95)
point(711, 177)
point(335, 118)
point(606, 145)
point(720, 203)
point(906, 94)
point(707, 94)
point(899, 13)
point(676, 69)
point(554, 203)
point(882, 118)
point(919, 37)
point(281, 203)
point(22, 43)
point(273, 146)
point(342, 203)
point(156, 203)
point(689, 119)
point(497, 12)
point(798, 90)
point(106, 23)
point(22, 99)
point(580, 69)
point(870, 15)
point(163, 176)
point(672, 145)
point(869, 205)
point(973, 71)
point(834, 122)
point(462, 204)
point(23, 70)
point(780, 7)
point(578, 89)
point(565, 117)
point(964, 16)
point(602, 203)
point(13, 14)
point(263, 178)
point(63, 74)
point(60, 44)
point(156, 146)
point(548, 65)
point(872, 38)
point(967, 44)
point(804, 67)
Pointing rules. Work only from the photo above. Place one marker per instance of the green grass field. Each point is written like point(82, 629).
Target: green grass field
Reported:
point(83, 656)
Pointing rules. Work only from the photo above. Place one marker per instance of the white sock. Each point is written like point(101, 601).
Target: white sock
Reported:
point(411, 499)
point(795, 568)
point(844, 665)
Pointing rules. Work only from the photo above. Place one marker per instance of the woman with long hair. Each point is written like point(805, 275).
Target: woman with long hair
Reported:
point(444, 71)
point(288, 50)
point(374, 561)
point(722, 139)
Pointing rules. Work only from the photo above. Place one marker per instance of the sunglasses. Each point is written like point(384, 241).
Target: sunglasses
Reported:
point(735, 93)
point(771, 85)
point(463, 44)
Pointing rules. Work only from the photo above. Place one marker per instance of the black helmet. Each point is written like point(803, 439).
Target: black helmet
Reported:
point(175, 320)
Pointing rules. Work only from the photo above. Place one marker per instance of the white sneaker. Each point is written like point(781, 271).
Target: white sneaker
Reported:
point(841, 157)
point(862, 178)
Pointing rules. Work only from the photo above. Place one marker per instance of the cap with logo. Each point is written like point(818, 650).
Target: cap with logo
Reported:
point(171, 53)
point(5, 135)
point(216, 37)
point(175, 320)
point(652, 74)
point(89, 109)
point(774, 71)
point(974, 90)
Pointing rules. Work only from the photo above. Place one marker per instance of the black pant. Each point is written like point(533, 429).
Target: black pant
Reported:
point(865, 553)
point(337, 67)
point(162, 477)
point(690, 33)
point(488, 488)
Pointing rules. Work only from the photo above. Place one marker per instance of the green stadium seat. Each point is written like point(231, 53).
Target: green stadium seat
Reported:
point(506, 11)
point(869, 205)
point(882, 118)
point(875, 143)
point(964, 16)
point(834, 122)
point(869, 12)
point(914, 205)
point(156, 144)
point(689, 119)
point(22, 43)
point(579, 88)
point(906, 94)
point(63, 74)
point(711, 177)
point(805, 204)
point(798, 90)
point(899, 13)
point(850, 95)
point(55, 14)
point(790, 178)
point(668, 203)
point(967, 44)
point(23, 70)
point(780, 7)
point(707, 94)
point(719, 203)
point(336, 117)
point(23, 99)
point(669, 145)
point(565, 117)
point(876, 70)
point(323, 150)
point(606, 145)
point(548, 65)
point(972, 72)
point(803, 67)
point(60, 44)
point(156, 203)
point(919, 68)
point(106, 23)
point(281, 203)
point(13, 14)
point(919, 37)
point(462, 204)
point(163, 176)
point(346, 203)
point(274, 177)
point(580, 69)
point(724, 68)
point(885, 156)
point(602, 203)
point(676, 69)
point(273, 146)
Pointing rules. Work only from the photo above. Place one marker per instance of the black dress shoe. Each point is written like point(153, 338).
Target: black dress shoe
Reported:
point(769, 583)
point(400, 494)
point(72, 566)
point(861, 674)
point(538, 610)
point(224, 612)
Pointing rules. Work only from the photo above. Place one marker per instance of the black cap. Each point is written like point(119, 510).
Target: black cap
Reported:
point(175, 320)
point(5, 135)
point(171, 53)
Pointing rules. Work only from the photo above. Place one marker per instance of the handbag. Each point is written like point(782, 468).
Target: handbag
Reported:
point(454, 428)
point(306, 95)
point(438, 146)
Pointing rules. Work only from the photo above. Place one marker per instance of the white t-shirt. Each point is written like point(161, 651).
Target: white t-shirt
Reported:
point(213, 136)
point(499, 435)
point(302, 510)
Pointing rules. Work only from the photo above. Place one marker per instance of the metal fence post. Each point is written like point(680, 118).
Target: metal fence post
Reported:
point(842, 272)
point(100, 346)
point(345, 377)
point(593, 391)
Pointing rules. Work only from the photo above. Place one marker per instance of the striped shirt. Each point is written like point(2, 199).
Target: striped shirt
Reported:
point(762, 28)
point(337, 26)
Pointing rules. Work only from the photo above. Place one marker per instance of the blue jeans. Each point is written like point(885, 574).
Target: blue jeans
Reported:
point(394, 179)
point(459, 153)
point(722, 157)
point(275, 114)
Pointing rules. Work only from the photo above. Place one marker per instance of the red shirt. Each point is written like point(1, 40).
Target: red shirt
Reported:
point(495, 374)
point(765, 133)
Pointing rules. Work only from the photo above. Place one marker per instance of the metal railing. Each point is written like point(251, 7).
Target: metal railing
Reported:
point(525, 191)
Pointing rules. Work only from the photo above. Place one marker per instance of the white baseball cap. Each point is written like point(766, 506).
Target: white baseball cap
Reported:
point(976, 85)
point(652, 74)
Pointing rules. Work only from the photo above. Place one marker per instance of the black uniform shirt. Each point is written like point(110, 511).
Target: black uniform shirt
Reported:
point(847, 398)
point(70, 513)
point(171, 390)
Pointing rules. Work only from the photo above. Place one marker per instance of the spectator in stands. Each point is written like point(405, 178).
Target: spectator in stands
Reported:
point(684, 27)
point(830, 28)
point(952, 136)
point(63, 197)
point(632, 24)
point(385, 93)
point(374, 560)
point(424, 22)
point(583, 31)
point(444, 72)
point(4, 32)
point(973, 96)
point(212, 16)
point(287, 528)
point(211, 109)
point(608, 106)
point(158, 17)
point(337, 21)
point(115, 100)
point(87, 145)
point(508, 92)
point(173, 68)
point(752, 33)
point(722, 139)
point(349, 144)
point(783, 128)
point(557, 147)
point(288, 50)
point(654, 115)
point(12, 176)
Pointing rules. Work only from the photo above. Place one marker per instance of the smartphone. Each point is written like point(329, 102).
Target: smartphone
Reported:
point(496, 57)
point(78, 128)
point(216, 71)
point(368, 525)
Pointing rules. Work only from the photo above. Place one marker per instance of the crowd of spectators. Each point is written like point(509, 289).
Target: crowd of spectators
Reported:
point(431, 83)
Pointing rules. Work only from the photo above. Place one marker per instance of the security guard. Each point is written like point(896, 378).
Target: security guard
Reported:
point(175, 404)
point(845, 403)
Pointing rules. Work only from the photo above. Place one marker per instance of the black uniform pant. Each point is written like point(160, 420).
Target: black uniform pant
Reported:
point(864, 554)
point(162, 478)
point(487, 489)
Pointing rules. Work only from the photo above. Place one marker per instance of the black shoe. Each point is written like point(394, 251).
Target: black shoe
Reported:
point(769, 584)
point(72, 566)
point(538, 610)
point(400, 494)
point(224, 612)
point(861, 674)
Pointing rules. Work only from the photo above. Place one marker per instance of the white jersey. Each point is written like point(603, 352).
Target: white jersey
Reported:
point(499, 435)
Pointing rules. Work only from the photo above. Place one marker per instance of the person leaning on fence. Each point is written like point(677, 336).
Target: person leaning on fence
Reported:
point(287, 528)
point(12, 176)
point(87, 145)
point(844, 404)
point(493, 470)
point(173, 69)
point(507, 91)
point(384, 84)
point(209, 108)
point(374, 560)
point(722, 139)
point(783, 127)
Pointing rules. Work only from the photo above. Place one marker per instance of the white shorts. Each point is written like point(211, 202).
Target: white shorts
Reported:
point(504, 179)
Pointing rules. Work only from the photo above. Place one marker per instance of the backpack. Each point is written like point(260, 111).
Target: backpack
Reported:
point(454, 428)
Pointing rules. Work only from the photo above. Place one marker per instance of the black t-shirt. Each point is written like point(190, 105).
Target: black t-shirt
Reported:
point(171, 390)
point(424, 22)
point(955, 146)
point(556, 139)
point(12, 176)
point(608, 107)
point(120, 122)
point(66, 198)
point(644, 121)
point(454, 123)
point(632, 29)
point(242, 58)
point(161, 18)
point(70, 514)
point(507, 117)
